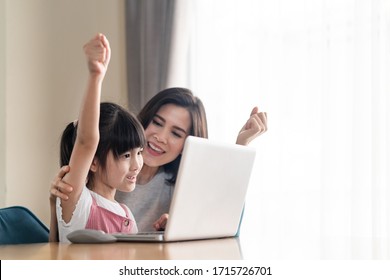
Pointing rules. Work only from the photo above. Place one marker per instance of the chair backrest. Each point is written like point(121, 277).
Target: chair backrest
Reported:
point(18, 225)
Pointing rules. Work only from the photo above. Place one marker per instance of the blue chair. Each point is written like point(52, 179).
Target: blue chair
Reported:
point(18, 225)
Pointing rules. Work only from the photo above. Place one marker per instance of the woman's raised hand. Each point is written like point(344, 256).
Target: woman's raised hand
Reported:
point(254, 127)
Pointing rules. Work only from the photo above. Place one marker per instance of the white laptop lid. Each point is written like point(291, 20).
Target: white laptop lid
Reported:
point(210, 190)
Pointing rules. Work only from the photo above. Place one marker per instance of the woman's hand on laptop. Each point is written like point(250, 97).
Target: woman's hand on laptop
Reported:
point(161, 223)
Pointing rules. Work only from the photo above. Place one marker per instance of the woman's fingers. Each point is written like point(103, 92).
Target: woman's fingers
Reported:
point(59, 188)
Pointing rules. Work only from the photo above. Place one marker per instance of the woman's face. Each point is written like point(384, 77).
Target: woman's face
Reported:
point(165, 135)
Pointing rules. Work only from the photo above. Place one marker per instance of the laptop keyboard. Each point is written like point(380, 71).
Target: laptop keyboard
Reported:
point(139, 233)
point(151, 232)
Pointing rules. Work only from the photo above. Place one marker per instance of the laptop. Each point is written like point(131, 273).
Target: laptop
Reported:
point(208, 199)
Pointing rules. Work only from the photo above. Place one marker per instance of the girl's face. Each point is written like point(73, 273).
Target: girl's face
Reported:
point(165, 135)
point(121, 173)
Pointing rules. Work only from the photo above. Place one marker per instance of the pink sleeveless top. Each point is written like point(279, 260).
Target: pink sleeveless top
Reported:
point(109, 222)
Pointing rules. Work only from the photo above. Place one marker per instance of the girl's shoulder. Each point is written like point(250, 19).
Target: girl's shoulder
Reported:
point(103, 202)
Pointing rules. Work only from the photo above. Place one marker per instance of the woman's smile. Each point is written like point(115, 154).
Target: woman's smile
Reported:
point(155, 149)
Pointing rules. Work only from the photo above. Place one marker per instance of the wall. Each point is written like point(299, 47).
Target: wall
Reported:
point(44, 79)
point(2, 102)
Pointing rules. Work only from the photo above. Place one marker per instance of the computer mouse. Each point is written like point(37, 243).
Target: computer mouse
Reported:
point(90, 236)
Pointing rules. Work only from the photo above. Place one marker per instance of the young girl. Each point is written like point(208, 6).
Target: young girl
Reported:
point(103, 149)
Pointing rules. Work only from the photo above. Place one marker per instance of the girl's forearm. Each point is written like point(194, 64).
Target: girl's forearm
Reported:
point(88, 123)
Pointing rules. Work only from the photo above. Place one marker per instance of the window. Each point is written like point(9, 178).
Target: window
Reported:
point(321, 70)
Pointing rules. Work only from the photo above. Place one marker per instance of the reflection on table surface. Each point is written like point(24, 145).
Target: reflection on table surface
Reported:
point(221, 249)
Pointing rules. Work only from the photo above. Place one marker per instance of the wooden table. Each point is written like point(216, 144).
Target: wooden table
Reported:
point(221, 249)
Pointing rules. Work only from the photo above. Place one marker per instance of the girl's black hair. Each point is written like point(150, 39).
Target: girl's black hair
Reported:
point(180, 97)
point(119, 130)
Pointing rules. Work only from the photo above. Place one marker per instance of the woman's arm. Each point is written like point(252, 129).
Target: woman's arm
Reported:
point(53, 231)
point(98, 54)
point(59, 189)
point(254, 127)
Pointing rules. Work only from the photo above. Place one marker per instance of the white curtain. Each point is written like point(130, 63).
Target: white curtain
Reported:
point(321, 69)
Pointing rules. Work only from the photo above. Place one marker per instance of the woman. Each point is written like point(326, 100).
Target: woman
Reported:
point(168, 118)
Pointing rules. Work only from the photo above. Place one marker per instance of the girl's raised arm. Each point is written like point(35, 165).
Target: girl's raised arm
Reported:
point(98, 54)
